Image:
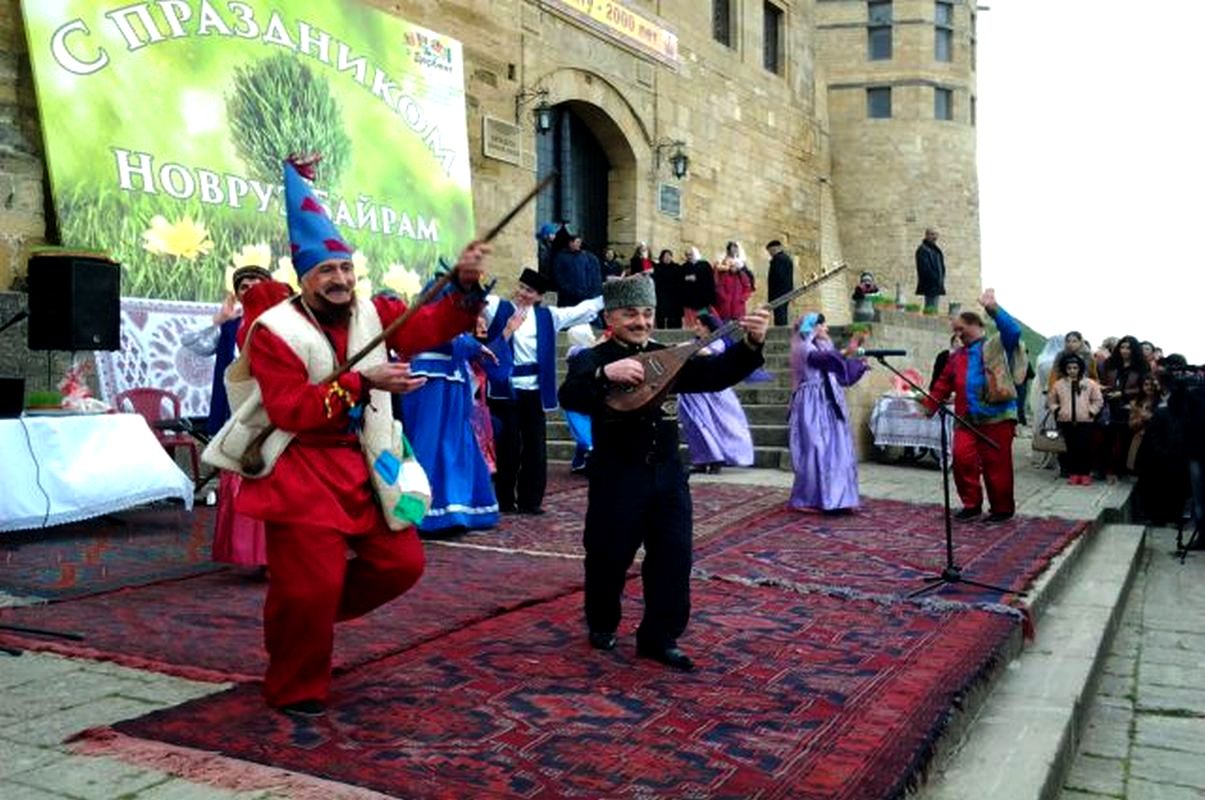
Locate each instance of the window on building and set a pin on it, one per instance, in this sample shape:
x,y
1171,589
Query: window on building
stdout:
x,y
721,21
972,110
943,104
943,33
878,30
878,102
974,38
772,38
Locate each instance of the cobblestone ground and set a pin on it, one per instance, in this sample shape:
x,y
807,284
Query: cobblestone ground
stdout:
x,y
1145,734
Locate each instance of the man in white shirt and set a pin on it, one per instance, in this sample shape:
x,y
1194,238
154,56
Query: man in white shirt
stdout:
x,y
520,403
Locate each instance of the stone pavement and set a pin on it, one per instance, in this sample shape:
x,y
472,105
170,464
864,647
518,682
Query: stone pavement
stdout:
x,y
1145,732
1143,738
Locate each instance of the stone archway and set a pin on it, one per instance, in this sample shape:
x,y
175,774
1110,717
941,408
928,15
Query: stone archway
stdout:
x,y
623,140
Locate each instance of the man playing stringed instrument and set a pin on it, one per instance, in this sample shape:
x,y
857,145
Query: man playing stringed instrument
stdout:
x,y
638,489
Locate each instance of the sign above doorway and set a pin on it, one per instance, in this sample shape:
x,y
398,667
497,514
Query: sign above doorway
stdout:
x,y
623,25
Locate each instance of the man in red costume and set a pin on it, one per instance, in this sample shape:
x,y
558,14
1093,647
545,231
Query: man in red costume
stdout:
x,y
320,499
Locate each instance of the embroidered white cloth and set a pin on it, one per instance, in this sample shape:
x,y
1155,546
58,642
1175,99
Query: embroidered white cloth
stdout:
x,y
152,355
59,469
902,422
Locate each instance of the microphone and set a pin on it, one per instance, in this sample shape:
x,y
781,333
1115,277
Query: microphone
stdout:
x,y
881,353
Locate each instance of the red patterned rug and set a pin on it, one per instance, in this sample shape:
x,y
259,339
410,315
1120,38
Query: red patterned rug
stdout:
x,y
886,549
803,696
131,548
210,627
719,508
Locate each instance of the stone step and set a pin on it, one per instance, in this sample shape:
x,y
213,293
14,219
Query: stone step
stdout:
x,y
763,435
1021,739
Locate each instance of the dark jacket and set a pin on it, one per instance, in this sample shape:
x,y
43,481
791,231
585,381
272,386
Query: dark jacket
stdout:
x,y
698,285
647,433
667,278
930,270
578,277
781,278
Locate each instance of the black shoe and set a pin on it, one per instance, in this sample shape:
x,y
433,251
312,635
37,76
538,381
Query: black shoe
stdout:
x,y
968,513
533,512
601,640
671,656
1001,516
714,469
699,469
305,708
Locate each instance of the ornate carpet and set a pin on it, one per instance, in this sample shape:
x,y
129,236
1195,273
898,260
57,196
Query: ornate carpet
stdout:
x,y
885,550
719,508
210,627
151,353
131,548
803,696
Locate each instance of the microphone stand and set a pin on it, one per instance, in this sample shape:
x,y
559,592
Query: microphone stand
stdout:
x,y
951,573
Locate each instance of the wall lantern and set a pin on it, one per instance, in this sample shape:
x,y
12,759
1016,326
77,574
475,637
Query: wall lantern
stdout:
x,y
679,162
542,113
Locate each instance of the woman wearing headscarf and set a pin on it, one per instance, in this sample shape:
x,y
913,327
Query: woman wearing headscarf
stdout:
x,y
733,282
822,444
713,423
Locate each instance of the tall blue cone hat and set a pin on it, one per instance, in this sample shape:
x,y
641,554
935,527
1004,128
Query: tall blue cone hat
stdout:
x,y
313,237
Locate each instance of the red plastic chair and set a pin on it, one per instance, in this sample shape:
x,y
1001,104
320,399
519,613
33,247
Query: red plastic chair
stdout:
x,y
158,406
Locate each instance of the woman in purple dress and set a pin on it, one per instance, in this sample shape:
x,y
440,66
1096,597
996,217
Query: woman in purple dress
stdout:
x,y
822,445
713,423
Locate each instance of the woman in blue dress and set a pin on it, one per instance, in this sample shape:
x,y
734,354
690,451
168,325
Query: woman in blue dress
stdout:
x,y
438,420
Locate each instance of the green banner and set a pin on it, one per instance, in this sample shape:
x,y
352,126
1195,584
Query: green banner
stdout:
x,y
166,123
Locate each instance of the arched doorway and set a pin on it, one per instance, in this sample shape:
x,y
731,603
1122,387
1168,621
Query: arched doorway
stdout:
x,y
579,195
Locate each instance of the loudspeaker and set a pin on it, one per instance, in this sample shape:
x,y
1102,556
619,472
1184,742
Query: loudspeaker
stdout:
x,y
74,303
12,397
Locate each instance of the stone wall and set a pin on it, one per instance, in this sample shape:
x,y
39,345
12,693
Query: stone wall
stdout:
x,y
923,337
894,177
22,173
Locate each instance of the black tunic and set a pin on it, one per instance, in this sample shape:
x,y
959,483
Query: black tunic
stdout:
x,y
638,490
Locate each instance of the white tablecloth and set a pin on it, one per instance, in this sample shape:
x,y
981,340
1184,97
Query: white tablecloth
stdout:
x,y
902,422
86,465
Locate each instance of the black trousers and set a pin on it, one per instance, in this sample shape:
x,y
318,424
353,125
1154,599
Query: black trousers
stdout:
x,y
521,451
629,505
1078,436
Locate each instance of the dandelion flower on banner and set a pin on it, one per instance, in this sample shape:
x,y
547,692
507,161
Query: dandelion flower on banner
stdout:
x,y
183,239
402,280
252,255
359,263
285,273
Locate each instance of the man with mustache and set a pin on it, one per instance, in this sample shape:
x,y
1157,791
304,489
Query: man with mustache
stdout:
x,y
333,485
638,489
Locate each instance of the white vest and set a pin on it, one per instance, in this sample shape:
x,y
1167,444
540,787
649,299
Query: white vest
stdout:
x,y
397,478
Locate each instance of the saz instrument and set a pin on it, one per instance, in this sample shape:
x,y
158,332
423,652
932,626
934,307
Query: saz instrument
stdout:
x,y
661,367
253,459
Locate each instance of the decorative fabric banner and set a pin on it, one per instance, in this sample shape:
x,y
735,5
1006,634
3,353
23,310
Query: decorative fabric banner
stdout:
x,y
151,353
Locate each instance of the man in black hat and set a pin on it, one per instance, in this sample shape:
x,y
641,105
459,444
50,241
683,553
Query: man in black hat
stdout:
x,y
781,278
638,490
520,402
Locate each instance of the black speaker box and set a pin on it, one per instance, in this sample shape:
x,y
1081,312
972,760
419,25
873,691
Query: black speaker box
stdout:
x,y
12,397
74,303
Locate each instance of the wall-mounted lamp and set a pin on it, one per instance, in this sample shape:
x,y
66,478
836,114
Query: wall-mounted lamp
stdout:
x,y
679,162
541,114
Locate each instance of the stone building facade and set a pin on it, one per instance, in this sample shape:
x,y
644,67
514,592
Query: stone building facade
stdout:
x,y
766,98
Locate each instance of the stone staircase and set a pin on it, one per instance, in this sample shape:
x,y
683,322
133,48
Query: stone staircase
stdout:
x,y
766,404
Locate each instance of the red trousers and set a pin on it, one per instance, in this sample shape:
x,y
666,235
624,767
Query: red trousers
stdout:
x,y
974,459
313,584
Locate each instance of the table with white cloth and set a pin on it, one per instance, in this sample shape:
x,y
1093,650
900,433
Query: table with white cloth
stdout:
x,y
901,421
59,469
